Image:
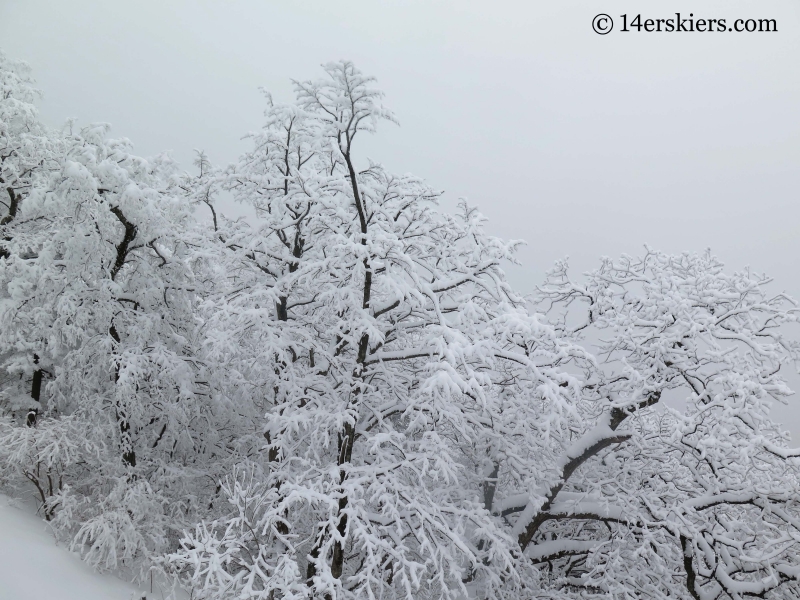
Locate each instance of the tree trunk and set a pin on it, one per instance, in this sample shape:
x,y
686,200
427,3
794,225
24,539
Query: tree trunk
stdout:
x,y
128,453
36,393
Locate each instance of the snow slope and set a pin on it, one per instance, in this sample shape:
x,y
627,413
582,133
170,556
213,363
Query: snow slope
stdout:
x,y
33,567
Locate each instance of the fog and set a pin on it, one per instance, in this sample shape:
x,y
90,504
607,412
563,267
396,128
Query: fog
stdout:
x,y
583,145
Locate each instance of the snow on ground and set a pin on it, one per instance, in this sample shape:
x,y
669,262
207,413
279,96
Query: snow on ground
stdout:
x,y
33,567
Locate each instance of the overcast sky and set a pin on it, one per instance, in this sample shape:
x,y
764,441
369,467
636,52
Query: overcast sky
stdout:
x,y
583,145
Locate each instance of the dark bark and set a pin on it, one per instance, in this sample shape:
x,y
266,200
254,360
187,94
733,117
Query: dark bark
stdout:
x,y
362,220
126,442
688,566
36,392
533,527
13,207
123,248
490,487
208,203
297,252
347,437
311,568
280,308
346,440
618,415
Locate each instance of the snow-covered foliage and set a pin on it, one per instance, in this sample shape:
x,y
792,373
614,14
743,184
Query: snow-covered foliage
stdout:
x,y
342,397
702,497
99,344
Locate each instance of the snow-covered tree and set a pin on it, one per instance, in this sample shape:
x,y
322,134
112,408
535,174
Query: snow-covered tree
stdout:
x,y
26,147
698,500
342,397
99,275
429,435
392,361
27,152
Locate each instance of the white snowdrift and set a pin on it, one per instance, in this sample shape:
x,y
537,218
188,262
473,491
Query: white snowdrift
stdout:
x,y
33,567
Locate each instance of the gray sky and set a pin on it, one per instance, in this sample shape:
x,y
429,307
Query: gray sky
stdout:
x,y
583,145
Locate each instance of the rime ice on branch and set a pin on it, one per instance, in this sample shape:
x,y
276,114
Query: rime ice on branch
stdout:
x,y
342,397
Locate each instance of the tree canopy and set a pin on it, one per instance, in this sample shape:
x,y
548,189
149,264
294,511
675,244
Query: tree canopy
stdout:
x,y
342,397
